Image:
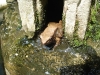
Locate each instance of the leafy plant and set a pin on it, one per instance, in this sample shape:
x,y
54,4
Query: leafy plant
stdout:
x,y
93,28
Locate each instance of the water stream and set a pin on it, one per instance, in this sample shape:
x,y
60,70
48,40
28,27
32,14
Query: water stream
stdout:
x,y
23,56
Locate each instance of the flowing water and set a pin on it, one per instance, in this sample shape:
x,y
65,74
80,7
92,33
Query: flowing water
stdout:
x,y
24,56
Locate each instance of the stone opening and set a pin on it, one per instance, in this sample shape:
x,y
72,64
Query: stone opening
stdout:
x,y
54,10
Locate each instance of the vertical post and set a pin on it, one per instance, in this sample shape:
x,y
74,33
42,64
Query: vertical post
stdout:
x,y
76,10
82,16
69,13
27,15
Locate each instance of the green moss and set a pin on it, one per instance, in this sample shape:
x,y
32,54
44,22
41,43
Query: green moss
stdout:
x,y
93,28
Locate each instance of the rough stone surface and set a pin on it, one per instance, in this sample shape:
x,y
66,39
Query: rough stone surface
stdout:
x,y
27,15
70,7
70,19
73,9
82,16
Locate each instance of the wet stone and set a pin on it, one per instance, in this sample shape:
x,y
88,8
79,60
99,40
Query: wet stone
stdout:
x,y
24,56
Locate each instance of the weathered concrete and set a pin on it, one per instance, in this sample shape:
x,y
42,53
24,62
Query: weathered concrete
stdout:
x,y
70,19
82,16
76,10
27,15
32,15
70,7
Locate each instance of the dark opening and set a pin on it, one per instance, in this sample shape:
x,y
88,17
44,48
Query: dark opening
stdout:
x,y
54,11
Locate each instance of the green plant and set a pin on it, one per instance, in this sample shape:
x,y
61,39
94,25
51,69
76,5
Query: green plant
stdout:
x,y
93,28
